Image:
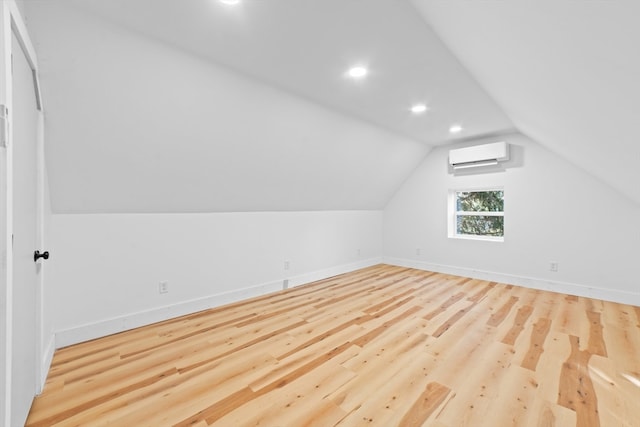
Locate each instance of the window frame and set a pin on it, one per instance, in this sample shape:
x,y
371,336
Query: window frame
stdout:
x,y
453,214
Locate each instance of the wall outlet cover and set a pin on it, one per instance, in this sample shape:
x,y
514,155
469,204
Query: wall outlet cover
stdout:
x,y
163,287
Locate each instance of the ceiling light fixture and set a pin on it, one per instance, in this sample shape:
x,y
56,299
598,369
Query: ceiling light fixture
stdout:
x,y
418,108
455,129
358,72
230,2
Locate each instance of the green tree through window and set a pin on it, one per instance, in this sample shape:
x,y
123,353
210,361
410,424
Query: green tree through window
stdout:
x,y
479,213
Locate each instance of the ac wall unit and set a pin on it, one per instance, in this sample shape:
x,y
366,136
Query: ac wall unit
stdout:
x,y
479,155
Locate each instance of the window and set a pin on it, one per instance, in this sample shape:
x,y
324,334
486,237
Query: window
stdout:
x,y
477,214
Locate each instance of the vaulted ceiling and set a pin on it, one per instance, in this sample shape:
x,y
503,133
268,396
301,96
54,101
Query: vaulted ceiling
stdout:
x,y
305,47
565,72
196,105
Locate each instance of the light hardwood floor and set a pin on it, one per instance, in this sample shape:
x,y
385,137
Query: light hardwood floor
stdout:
x,y
383,346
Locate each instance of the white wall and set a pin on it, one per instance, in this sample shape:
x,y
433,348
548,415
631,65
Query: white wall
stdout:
x,y
553,212
105,268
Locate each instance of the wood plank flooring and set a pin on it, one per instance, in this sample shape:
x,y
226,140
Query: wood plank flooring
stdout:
x,y
383,346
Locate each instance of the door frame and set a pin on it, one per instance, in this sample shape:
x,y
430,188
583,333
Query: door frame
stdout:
x,y
12,23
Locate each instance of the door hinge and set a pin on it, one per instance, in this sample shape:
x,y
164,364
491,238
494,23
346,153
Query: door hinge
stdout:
x,y
4,126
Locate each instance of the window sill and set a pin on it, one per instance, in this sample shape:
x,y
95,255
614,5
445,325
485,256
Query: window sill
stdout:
x,y
473,237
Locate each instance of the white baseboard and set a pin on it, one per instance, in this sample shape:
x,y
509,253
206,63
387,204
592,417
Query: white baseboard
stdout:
x,y
117,324
615,295
332,271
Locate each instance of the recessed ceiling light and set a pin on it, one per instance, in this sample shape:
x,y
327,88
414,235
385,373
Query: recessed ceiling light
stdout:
x,y
455,129
418,108
230,2
357,72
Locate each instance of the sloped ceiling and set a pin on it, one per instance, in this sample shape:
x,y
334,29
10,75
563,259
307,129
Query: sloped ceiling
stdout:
x,y
566,72
195,106
305,47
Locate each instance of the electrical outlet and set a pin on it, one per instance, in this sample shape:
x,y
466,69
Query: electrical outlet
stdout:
x,y
285,284
163,287
418,251
553,266
286,265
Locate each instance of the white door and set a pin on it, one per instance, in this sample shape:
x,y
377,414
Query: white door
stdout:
x,y
25,270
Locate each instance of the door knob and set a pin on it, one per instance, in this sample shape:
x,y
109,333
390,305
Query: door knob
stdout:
x,y
37,255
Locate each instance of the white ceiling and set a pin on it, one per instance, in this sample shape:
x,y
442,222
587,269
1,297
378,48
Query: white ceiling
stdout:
x,y
567,73
305,47
235,79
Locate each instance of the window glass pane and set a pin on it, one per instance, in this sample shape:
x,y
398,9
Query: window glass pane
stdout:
x,y
480,225
480,201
